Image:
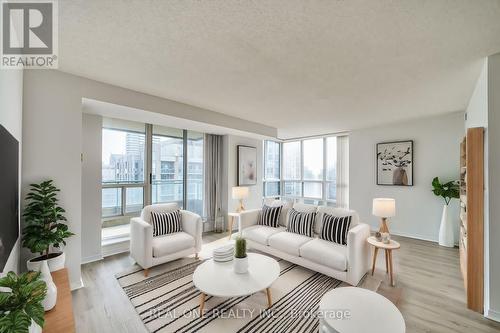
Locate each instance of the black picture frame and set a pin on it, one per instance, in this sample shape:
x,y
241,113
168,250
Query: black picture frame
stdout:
x,y
246,165
382,172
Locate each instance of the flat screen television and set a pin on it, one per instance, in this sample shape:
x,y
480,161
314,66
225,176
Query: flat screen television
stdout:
x,y
9,194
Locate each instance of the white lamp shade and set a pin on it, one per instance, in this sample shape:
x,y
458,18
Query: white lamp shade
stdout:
x,y
384,207
240,192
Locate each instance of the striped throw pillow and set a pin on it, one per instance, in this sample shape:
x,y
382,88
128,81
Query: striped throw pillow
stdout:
x,y
301,223
270,216
335,228
166,223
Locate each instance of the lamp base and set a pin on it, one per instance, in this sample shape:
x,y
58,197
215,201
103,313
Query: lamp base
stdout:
x,y
240,208
383,225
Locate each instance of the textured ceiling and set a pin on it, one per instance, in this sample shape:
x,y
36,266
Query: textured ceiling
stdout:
x,y
304,67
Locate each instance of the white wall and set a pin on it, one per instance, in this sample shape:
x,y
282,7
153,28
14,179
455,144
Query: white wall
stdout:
x,y
11,113
230,162
436,143
91,187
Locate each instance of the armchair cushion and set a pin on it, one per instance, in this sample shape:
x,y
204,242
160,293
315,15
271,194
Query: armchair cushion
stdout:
x,y
159,208
172,243
166,223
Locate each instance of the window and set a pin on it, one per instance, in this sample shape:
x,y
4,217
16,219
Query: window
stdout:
x,y
291,160
313,171
167,174
272,172
172,164
123,174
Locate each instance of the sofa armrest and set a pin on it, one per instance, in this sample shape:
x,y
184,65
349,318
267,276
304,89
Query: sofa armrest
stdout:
x,y
248,218
358,253
192,224
141,242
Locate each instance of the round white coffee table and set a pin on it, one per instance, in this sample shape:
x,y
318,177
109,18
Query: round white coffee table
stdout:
x,y
354,310
218,279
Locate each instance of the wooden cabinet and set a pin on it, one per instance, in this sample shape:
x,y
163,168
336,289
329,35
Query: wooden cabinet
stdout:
x,y
471,241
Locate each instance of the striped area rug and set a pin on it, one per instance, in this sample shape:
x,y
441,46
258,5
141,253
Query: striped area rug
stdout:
x,y
167,301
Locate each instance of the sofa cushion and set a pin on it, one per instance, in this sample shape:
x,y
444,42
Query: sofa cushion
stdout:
x,y
325,253
172,243
285,207
269,216
335,228
301,223
260,233
288,242
302,208
334,211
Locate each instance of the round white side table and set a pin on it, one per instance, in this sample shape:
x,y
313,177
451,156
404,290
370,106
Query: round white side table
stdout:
x,y
219,279
356,310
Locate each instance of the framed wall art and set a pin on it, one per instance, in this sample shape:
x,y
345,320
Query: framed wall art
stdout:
x,y
395,163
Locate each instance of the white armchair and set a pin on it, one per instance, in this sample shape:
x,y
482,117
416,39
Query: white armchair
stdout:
x,y
149,251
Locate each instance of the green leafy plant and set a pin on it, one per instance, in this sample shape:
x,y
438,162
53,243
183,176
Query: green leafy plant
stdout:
x,y
449,190
42,217
21,301
240,248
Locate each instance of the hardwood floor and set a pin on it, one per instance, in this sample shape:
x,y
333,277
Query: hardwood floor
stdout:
x,y
427,276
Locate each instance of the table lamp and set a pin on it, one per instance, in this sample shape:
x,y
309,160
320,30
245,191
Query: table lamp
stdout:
x,y
240,193
384,208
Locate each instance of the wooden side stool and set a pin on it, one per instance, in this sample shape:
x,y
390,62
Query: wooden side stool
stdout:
x,y
392,245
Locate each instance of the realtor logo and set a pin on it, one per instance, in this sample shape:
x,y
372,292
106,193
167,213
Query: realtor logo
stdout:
x,y
29,34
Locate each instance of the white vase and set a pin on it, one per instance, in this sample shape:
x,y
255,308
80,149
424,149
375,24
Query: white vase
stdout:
x,y
50,299
446,236
34,328
56,263
240,265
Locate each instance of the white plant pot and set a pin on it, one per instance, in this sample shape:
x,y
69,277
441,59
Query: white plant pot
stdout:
x,y
54,264
446,236
34,328
50,299
240,265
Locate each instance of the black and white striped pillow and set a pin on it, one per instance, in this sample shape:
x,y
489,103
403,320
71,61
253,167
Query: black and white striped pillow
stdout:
x,y
270,216
301,223
335,228
166,223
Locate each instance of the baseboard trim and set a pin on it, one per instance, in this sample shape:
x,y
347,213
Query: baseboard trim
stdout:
x,y
76,285
115,248
404,234
493,315
90,259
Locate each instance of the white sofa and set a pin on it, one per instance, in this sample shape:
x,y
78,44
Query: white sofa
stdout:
x,y
149,251
348,263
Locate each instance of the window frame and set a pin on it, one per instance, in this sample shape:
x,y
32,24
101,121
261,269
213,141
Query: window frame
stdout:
x,y
325,182
147,182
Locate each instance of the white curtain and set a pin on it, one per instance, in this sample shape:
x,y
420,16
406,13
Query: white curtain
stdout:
x,y
343,171
213,177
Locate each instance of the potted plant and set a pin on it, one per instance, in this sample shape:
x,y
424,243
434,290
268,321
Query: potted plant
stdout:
x,y
21,297
44,231
448,191
240,256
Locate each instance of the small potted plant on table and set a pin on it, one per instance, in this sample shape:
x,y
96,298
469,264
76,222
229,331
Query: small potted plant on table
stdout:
x,y
240,256
21,297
